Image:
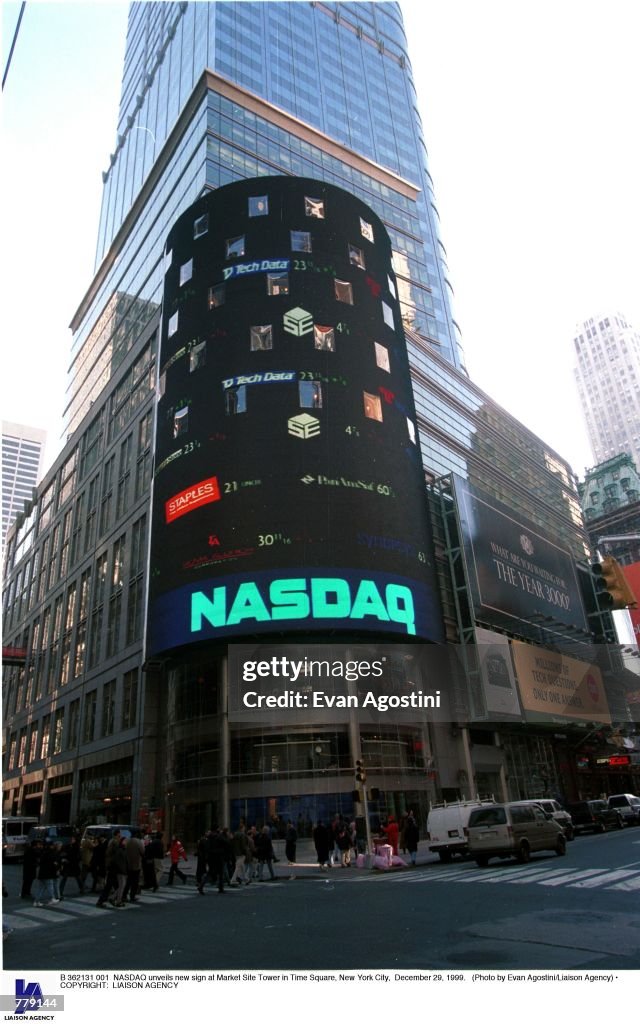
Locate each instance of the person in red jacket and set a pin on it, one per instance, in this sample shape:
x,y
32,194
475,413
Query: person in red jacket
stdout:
x,y
392,832
176,851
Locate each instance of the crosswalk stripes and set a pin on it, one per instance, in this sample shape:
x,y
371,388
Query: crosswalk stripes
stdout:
x,y
615,879
26,917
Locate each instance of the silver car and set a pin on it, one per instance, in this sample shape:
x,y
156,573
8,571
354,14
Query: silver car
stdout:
x,y
515,829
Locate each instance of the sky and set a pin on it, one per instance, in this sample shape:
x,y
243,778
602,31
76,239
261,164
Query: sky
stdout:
x,y
530,118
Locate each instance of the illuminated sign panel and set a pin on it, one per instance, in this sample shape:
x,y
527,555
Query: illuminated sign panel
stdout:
x,y
284,371
553,685
515,572
192,497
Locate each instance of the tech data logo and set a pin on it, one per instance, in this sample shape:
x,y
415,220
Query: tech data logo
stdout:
x,y
286,600
191,498
304,426
298,322
257,267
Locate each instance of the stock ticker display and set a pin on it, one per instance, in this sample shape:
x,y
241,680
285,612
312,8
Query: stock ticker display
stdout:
x,y
288,489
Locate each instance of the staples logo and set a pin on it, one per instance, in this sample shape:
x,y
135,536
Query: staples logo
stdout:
x,y
191,498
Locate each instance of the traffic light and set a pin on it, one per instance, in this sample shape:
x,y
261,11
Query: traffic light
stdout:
x,y
361,775
612,588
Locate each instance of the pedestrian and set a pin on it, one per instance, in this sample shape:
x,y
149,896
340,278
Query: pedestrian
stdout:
x,y
343,842
134,854
176,851
411,837
334,854
201,863
31,860
148,869
240,843
47,874
156,853
120,861
98,866
71,866
392,831
291,838
321,835
265,854
87,847
219,850
111,872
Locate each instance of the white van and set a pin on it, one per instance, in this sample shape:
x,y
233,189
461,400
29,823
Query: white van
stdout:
x,y
446,826
15,834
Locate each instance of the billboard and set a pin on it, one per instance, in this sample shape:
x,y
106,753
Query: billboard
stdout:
x,y
554,686
288,485
514,570
496,672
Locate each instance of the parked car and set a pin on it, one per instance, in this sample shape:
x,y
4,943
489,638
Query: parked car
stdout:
x,y
15,836
559,814
515,829
95,831
627,805
53,833
594,816
446,826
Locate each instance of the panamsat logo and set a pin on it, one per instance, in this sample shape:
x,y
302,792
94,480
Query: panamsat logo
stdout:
x,y
526,544
298,322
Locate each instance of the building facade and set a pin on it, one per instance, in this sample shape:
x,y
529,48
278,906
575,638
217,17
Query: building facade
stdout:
x,y
102,722
22,459
607,374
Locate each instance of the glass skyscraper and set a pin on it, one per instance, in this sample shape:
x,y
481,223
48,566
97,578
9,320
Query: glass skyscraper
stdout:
x,y
216,92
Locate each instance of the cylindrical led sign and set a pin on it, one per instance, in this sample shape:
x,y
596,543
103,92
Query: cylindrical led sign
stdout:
x,y
288,491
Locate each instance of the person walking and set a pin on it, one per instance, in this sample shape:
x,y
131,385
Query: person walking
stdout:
x,y
201,863
392,832
134,855
30,863
98,866
176,851
87,847
265,854
343,842
71,866
47,874
411,837
219,850
240,844
290,840
111,872
321,835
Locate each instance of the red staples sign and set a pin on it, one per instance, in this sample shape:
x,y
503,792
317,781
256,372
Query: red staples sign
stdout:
x,y
191,498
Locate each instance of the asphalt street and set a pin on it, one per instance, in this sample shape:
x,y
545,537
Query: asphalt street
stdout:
x,y
576,912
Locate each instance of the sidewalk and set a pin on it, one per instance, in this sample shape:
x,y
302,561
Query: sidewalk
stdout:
x,y
306,864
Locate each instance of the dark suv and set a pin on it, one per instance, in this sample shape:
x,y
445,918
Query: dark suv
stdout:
x,y
594,816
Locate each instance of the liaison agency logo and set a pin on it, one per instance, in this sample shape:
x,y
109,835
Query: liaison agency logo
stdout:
x,y
30,1003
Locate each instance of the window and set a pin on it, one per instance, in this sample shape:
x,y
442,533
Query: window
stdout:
x,y
181,422
168,260
310,394
235,400
197,356
201,226
261,338
392,287
216,296
124,472
143,463
277,284
343,291
258,206
89,724
301,241
366,230
44,742
129,698
314,207
186,272
324,338
382,357
74,724
387,314
33,742
235,247
106,508
172,326
58,729
356,257
22,747
108,707
412,430
372,407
